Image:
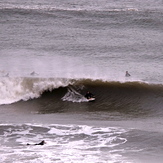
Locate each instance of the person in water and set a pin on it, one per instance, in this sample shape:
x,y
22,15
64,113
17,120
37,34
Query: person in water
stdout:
x,y
41,143
33,73
89,95
127,74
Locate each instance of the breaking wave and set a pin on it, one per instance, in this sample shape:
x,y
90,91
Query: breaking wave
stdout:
x,y
73,90
16,89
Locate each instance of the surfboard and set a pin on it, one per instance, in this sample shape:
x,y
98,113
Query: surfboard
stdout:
x,y
91,99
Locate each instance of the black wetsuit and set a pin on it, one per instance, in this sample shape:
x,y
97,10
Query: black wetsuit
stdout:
x,y
89,95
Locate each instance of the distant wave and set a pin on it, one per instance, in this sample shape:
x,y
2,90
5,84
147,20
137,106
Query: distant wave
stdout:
x,y
84,8
142,18
64,8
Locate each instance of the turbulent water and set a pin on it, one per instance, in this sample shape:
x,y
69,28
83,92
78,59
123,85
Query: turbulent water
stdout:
x,y
53,52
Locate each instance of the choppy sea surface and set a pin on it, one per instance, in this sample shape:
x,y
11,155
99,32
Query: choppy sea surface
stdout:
x,y
53,52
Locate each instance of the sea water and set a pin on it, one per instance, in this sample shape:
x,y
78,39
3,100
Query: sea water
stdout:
x,y
53,52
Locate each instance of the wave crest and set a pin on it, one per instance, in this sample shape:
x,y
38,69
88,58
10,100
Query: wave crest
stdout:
x,y
16,89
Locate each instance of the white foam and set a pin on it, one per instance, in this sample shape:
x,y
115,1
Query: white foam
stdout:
x,y
16,89
64,143
74,96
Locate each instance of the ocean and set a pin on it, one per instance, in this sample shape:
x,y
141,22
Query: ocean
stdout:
x,y
53,52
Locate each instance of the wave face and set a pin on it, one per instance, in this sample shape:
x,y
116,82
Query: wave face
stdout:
x,y
62,95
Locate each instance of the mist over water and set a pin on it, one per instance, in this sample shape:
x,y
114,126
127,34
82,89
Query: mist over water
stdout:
x,y
78,40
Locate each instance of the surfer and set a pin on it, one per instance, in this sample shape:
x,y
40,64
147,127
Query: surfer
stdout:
x,y
127,74
89,95
7,75
33,73
41,143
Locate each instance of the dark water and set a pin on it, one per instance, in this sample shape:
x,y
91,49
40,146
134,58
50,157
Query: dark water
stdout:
x,y
53,52
131,99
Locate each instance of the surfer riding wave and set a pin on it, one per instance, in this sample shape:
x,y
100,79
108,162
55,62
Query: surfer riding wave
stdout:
x,y
89,95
